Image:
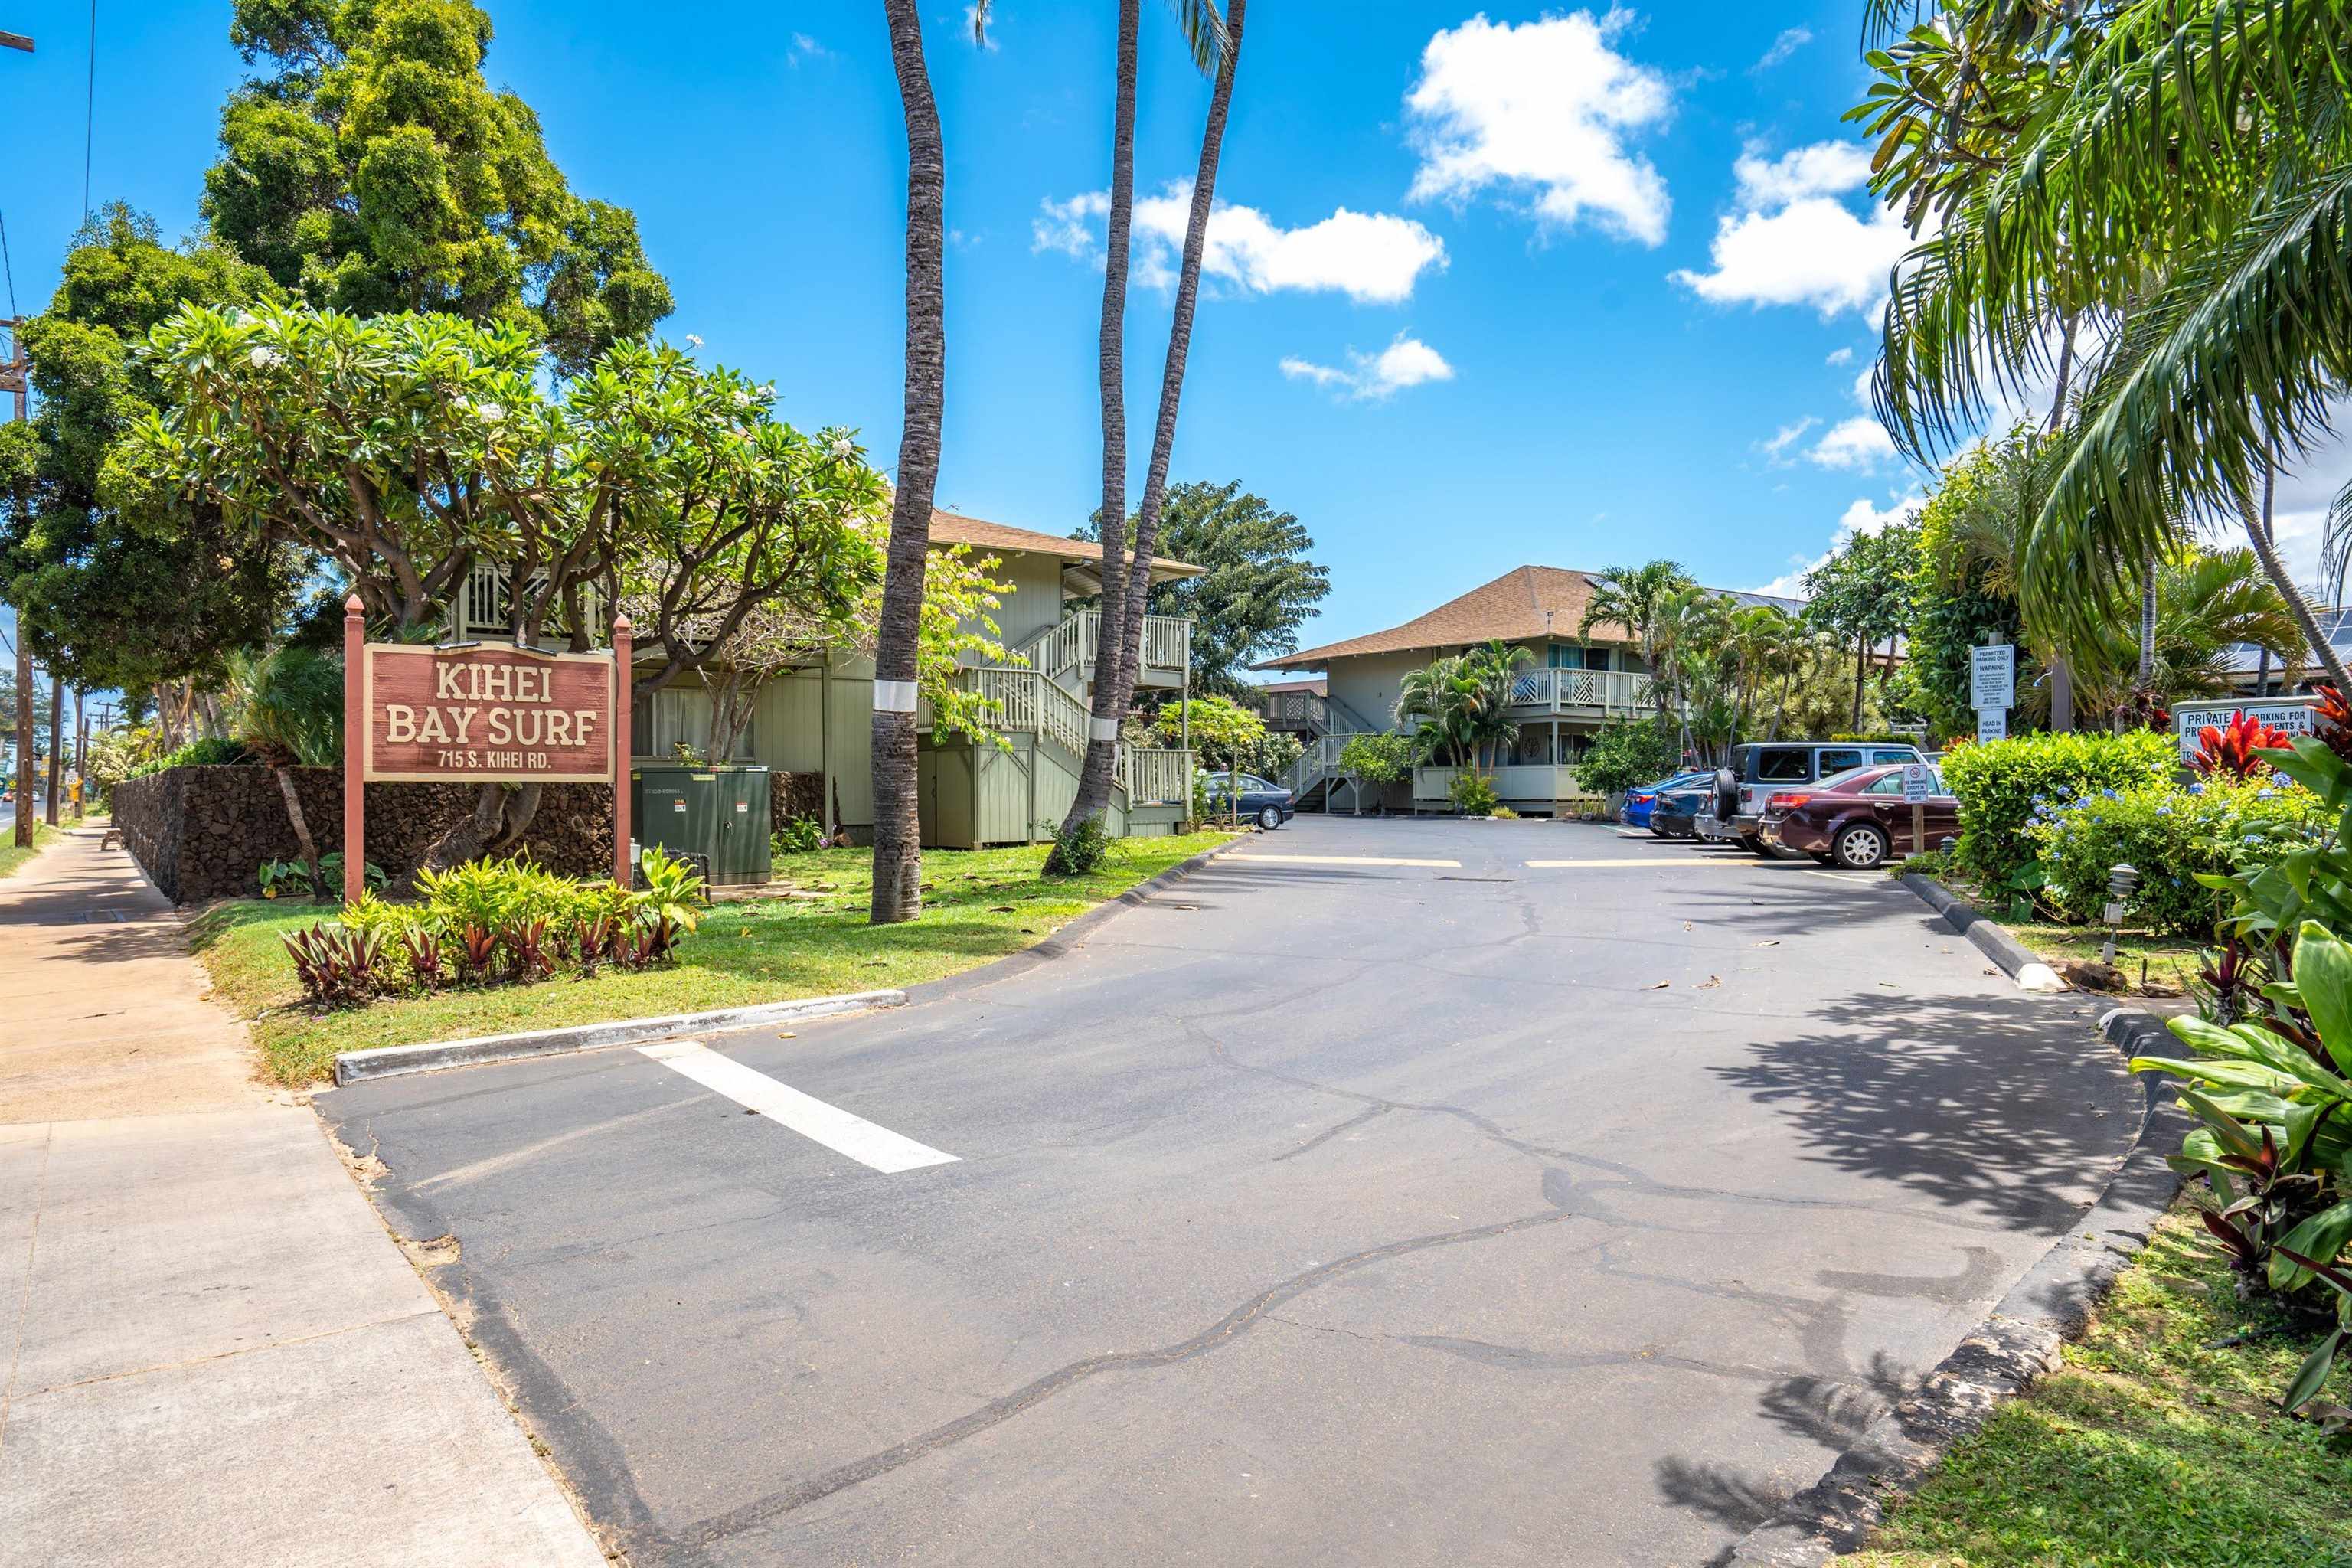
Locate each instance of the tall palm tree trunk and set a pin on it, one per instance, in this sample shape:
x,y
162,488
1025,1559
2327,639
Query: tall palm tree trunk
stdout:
x,y
1861,670
1109,704
1180,345
2144,678
2061,671
2258,534
302,825
898,827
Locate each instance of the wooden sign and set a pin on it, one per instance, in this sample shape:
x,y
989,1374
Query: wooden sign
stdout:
x,y
487,711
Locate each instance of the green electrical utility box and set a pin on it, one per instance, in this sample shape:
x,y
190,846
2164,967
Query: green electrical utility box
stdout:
x,y
718,813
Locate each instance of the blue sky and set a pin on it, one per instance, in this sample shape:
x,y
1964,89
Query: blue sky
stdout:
x,y
1576,286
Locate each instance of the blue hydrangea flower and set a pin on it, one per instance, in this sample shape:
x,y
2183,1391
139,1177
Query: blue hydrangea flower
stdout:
x,y
2111,794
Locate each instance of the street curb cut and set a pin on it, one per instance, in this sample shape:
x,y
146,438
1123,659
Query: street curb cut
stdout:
x,y
2029,972
391,1061
2002,1355
1070,937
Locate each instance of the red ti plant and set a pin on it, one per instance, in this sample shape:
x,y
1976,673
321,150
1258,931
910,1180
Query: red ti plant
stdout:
x,y
2233,749
2333,721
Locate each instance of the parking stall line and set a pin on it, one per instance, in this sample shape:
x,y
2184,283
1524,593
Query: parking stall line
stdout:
x,y
812,1118
1644,860
1344,860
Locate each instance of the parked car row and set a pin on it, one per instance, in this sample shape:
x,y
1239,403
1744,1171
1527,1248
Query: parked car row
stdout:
x,y
1841,804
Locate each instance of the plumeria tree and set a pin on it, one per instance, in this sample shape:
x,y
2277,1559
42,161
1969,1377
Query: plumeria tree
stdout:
x,y
409,449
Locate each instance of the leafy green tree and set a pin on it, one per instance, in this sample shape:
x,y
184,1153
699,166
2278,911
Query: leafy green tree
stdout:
x,y
1628,753
1457,704
1222,730
410,448
1259,586
373,167
1862,595
128,597
1374,758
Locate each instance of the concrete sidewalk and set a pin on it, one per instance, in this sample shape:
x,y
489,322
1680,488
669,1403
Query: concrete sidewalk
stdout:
x,y
210,1347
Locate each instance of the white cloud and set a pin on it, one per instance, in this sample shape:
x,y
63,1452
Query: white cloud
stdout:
x,y
1407,361
804,48
1859,443
1068,226
1371,258
1791,40
1794,241
1782,439
1543,109
1840,356
1861,517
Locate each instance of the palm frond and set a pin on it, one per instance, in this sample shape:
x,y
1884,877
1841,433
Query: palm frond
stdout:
x,y
1203,30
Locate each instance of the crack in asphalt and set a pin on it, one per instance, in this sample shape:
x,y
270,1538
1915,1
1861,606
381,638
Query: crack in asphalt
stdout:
x,y
1224,1332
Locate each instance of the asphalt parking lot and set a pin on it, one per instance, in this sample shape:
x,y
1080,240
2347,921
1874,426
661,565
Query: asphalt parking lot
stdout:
x,y
1386,1192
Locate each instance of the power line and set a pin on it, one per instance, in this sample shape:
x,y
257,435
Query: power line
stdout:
x,y
7,266
89,116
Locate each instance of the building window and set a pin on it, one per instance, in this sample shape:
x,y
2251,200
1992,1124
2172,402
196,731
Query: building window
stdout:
x,y
1596,659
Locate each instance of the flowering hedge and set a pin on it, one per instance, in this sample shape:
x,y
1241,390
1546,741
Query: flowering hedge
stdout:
x,y
2002,785
2169,833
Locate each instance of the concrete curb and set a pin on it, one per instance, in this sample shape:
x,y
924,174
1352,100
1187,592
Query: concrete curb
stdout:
x,y
2003,1354
1073,936
2029,972
391,1061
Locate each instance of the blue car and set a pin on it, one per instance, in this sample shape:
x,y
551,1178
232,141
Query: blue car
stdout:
x,y
1640,803
1267,805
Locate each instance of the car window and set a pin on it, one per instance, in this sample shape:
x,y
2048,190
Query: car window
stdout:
x,y
1782,764
1840,759
1845,779
1886,784
1251,782
1905,755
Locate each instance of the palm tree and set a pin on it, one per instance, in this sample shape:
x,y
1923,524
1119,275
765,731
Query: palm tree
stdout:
x,y
1460,704
2208,138
1215,43
1632,598
897,828
2205,602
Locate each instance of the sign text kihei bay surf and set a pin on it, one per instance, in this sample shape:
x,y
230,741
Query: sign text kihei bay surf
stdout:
x,y
480,712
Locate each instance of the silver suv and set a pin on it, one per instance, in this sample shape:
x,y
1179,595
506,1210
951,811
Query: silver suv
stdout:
x,y
1763,766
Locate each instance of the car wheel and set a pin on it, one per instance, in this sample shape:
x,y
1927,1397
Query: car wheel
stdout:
x,y
1269,817
1757,846
1861,847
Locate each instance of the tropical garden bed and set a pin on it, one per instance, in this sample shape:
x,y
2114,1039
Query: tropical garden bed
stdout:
x,y
805,935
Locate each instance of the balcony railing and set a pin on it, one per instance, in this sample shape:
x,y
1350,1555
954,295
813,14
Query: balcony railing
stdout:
x,y
1072,644
1156,776
1580,691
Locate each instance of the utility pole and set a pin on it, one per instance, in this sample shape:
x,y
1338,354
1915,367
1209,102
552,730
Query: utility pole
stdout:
x,y
12,379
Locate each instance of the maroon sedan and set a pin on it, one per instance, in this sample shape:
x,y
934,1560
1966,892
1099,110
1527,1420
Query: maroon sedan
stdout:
x,y
1857,818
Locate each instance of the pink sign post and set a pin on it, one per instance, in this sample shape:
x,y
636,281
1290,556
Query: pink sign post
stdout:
x,y
354,768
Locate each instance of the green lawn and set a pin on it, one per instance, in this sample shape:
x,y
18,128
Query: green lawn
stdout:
x,y
2158,1442
976,906
2171,961
11,857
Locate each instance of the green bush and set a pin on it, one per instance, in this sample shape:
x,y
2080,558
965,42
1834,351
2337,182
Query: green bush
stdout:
x,y
1624,754
1474,794
2002,783
798,836
212,752
2171,834
1080,850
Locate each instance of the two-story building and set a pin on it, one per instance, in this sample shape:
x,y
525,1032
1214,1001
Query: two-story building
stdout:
x,y
818,718
1573,682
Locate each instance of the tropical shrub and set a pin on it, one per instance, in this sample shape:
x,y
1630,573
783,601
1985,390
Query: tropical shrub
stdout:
x,y
2176,837
2274,1146
2234,749
798,836
497,922
1079,850
287,878
1376,760
1626,754
2002,785
1473,794
212,752
1271,755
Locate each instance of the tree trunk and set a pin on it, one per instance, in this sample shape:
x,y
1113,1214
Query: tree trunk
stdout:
x,y
1180,345
2062,694
57,745
897,827
501,813
1109,704
2258,533
302,824
2145,678
1861,670
24,830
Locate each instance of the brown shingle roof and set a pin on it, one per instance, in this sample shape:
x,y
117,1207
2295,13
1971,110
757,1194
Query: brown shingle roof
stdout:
x,y
1511,607
951,528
